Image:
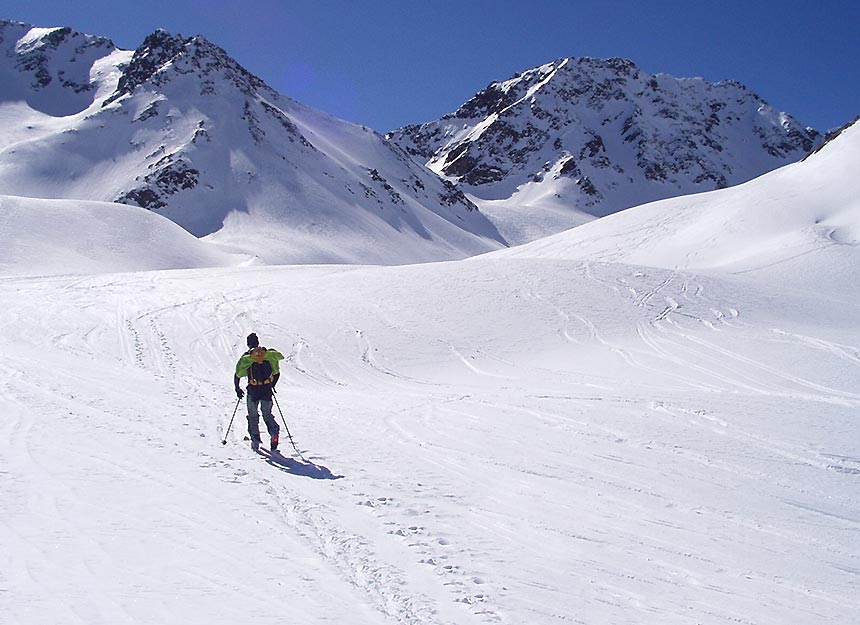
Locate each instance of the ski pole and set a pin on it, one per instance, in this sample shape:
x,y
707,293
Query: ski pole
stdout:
x,y
224,442
290,436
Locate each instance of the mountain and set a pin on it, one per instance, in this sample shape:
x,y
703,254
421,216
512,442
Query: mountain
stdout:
x,y
799,223
581,138
180,128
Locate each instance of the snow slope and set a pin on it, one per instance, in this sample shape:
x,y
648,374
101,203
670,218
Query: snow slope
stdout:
x,y
785,222
494,441
538,438
50,237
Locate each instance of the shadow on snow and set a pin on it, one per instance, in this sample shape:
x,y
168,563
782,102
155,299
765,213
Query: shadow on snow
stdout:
x,y
294,467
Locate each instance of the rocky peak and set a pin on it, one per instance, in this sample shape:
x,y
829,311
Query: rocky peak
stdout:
x,y
162,56
156,51
568,76
617,134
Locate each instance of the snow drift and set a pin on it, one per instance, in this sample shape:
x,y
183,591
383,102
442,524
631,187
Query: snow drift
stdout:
x,y
782,223
49,237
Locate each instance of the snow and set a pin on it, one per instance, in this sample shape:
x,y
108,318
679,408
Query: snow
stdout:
x,y
50,237
33,38
513,441
547,212
566,434
770,224
651,418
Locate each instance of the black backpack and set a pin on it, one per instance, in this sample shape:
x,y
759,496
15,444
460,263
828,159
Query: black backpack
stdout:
x,y
260,373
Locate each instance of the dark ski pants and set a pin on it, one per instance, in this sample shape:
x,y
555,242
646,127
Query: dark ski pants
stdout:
x,y
265,407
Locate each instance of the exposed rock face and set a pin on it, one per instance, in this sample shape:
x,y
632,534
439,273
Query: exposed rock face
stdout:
x,y
832,135
163,57
605,135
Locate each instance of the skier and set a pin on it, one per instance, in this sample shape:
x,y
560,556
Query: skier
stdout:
x,y
260,365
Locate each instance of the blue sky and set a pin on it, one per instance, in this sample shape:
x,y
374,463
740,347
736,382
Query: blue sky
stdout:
x,y
389,63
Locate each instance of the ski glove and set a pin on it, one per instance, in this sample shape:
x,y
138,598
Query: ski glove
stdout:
x,y
239,393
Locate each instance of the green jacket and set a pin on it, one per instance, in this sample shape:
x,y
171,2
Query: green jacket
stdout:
x,y
273,357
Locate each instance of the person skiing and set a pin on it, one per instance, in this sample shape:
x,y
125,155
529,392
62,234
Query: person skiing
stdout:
x,y
260,365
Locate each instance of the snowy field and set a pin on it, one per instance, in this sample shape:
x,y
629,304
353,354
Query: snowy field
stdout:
x,y
536,436
500,440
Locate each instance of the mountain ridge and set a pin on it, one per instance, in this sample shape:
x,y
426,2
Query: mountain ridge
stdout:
x,y
600,135
179,127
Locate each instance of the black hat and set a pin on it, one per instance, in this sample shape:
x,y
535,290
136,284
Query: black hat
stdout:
x,y
253,341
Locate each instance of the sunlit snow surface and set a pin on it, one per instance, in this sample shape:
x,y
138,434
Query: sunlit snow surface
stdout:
x,y
512,441
543,437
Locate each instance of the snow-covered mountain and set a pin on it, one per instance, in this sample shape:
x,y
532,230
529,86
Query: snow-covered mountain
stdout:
x,y
180,128
562,143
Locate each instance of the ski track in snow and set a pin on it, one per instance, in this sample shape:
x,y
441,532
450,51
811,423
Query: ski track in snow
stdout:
x,y
477,481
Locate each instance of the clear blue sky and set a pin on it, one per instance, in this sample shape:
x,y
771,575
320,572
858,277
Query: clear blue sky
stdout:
x,y
389,63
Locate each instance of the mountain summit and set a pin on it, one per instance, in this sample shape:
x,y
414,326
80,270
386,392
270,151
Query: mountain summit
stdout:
x,y
599,136
179,127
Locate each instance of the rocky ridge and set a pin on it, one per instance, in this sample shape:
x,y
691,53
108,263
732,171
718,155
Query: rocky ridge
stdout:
x,y
603,135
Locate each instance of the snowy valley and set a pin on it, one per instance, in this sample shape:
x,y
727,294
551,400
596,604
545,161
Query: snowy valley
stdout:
x,y
652,418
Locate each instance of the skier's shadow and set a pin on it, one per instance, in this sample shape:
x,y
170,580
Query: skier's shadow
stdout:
x,y
294,467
